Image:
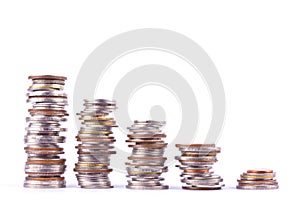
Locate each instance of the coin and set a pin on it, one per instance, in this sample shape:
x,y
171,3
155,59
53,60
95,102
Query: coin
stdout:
x,y
96,144
258,179
146,163
147,187
44,166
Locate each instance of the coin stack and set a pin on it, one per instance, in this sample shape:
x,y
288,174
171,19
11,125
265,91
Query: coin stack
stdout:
x,y
258,179
196,161
96,145
146,163
44,167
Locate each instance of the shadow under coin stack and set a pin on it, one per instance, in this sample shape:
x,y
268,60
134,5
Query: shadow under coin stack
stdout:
x,y
44,166
196,161
96,145
258,180
146,163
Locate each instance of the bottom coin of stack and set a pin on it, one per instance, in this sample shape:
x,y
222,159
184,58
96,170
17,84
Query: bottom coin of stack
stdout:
x,y
196,162
146,163
258,179
96,145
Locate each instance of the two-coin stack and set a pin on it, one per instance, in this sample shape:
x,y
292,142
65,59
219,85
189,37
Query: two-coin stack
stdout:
x,y
258,179
196,161
44,166
96,145
146,163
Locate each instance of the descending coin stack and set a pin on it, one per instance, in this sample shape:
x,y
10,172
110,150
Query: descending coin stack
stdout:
x,y
96,145
196,161
258,180
44,166
146,163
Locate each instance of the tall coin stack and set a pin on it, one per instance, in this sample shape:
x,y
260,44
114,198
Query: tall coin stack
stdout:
x,y
44,167
146,163
96,145
196,162
258,179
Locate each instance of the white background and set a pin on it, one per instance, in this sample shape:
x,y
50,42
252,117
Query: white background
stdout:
x,y
255,46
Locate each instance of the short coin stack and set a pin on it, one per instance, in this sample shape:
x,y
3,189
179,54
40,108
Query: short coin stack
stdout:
x,y
196,161
44,166
96,145
258,179
146,163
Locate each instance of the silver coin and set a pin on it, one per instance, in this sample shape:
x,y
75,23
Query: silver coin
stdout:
x,y
45,184
44,139
257,187
47,100
47,93
160,187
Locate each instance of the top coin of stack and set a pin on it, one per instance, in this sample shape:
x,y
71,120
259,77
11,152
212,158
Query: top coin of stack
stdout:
x,y
96,145
44,166
258,179
196,161
146,162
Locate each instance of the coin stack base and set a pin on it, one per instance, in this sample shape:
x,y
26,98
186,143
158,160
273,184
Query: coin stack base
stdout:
x,y
196,162
96,145
146,163
258,179
44,167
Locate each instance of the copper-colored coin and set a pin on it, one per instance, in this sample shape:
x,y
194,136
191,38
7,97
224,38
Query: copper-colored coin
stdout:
x,y
199,160
46,162
44,173
48,112
50,77
194,145
45,178
195,170
43,149
260,171
96,132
